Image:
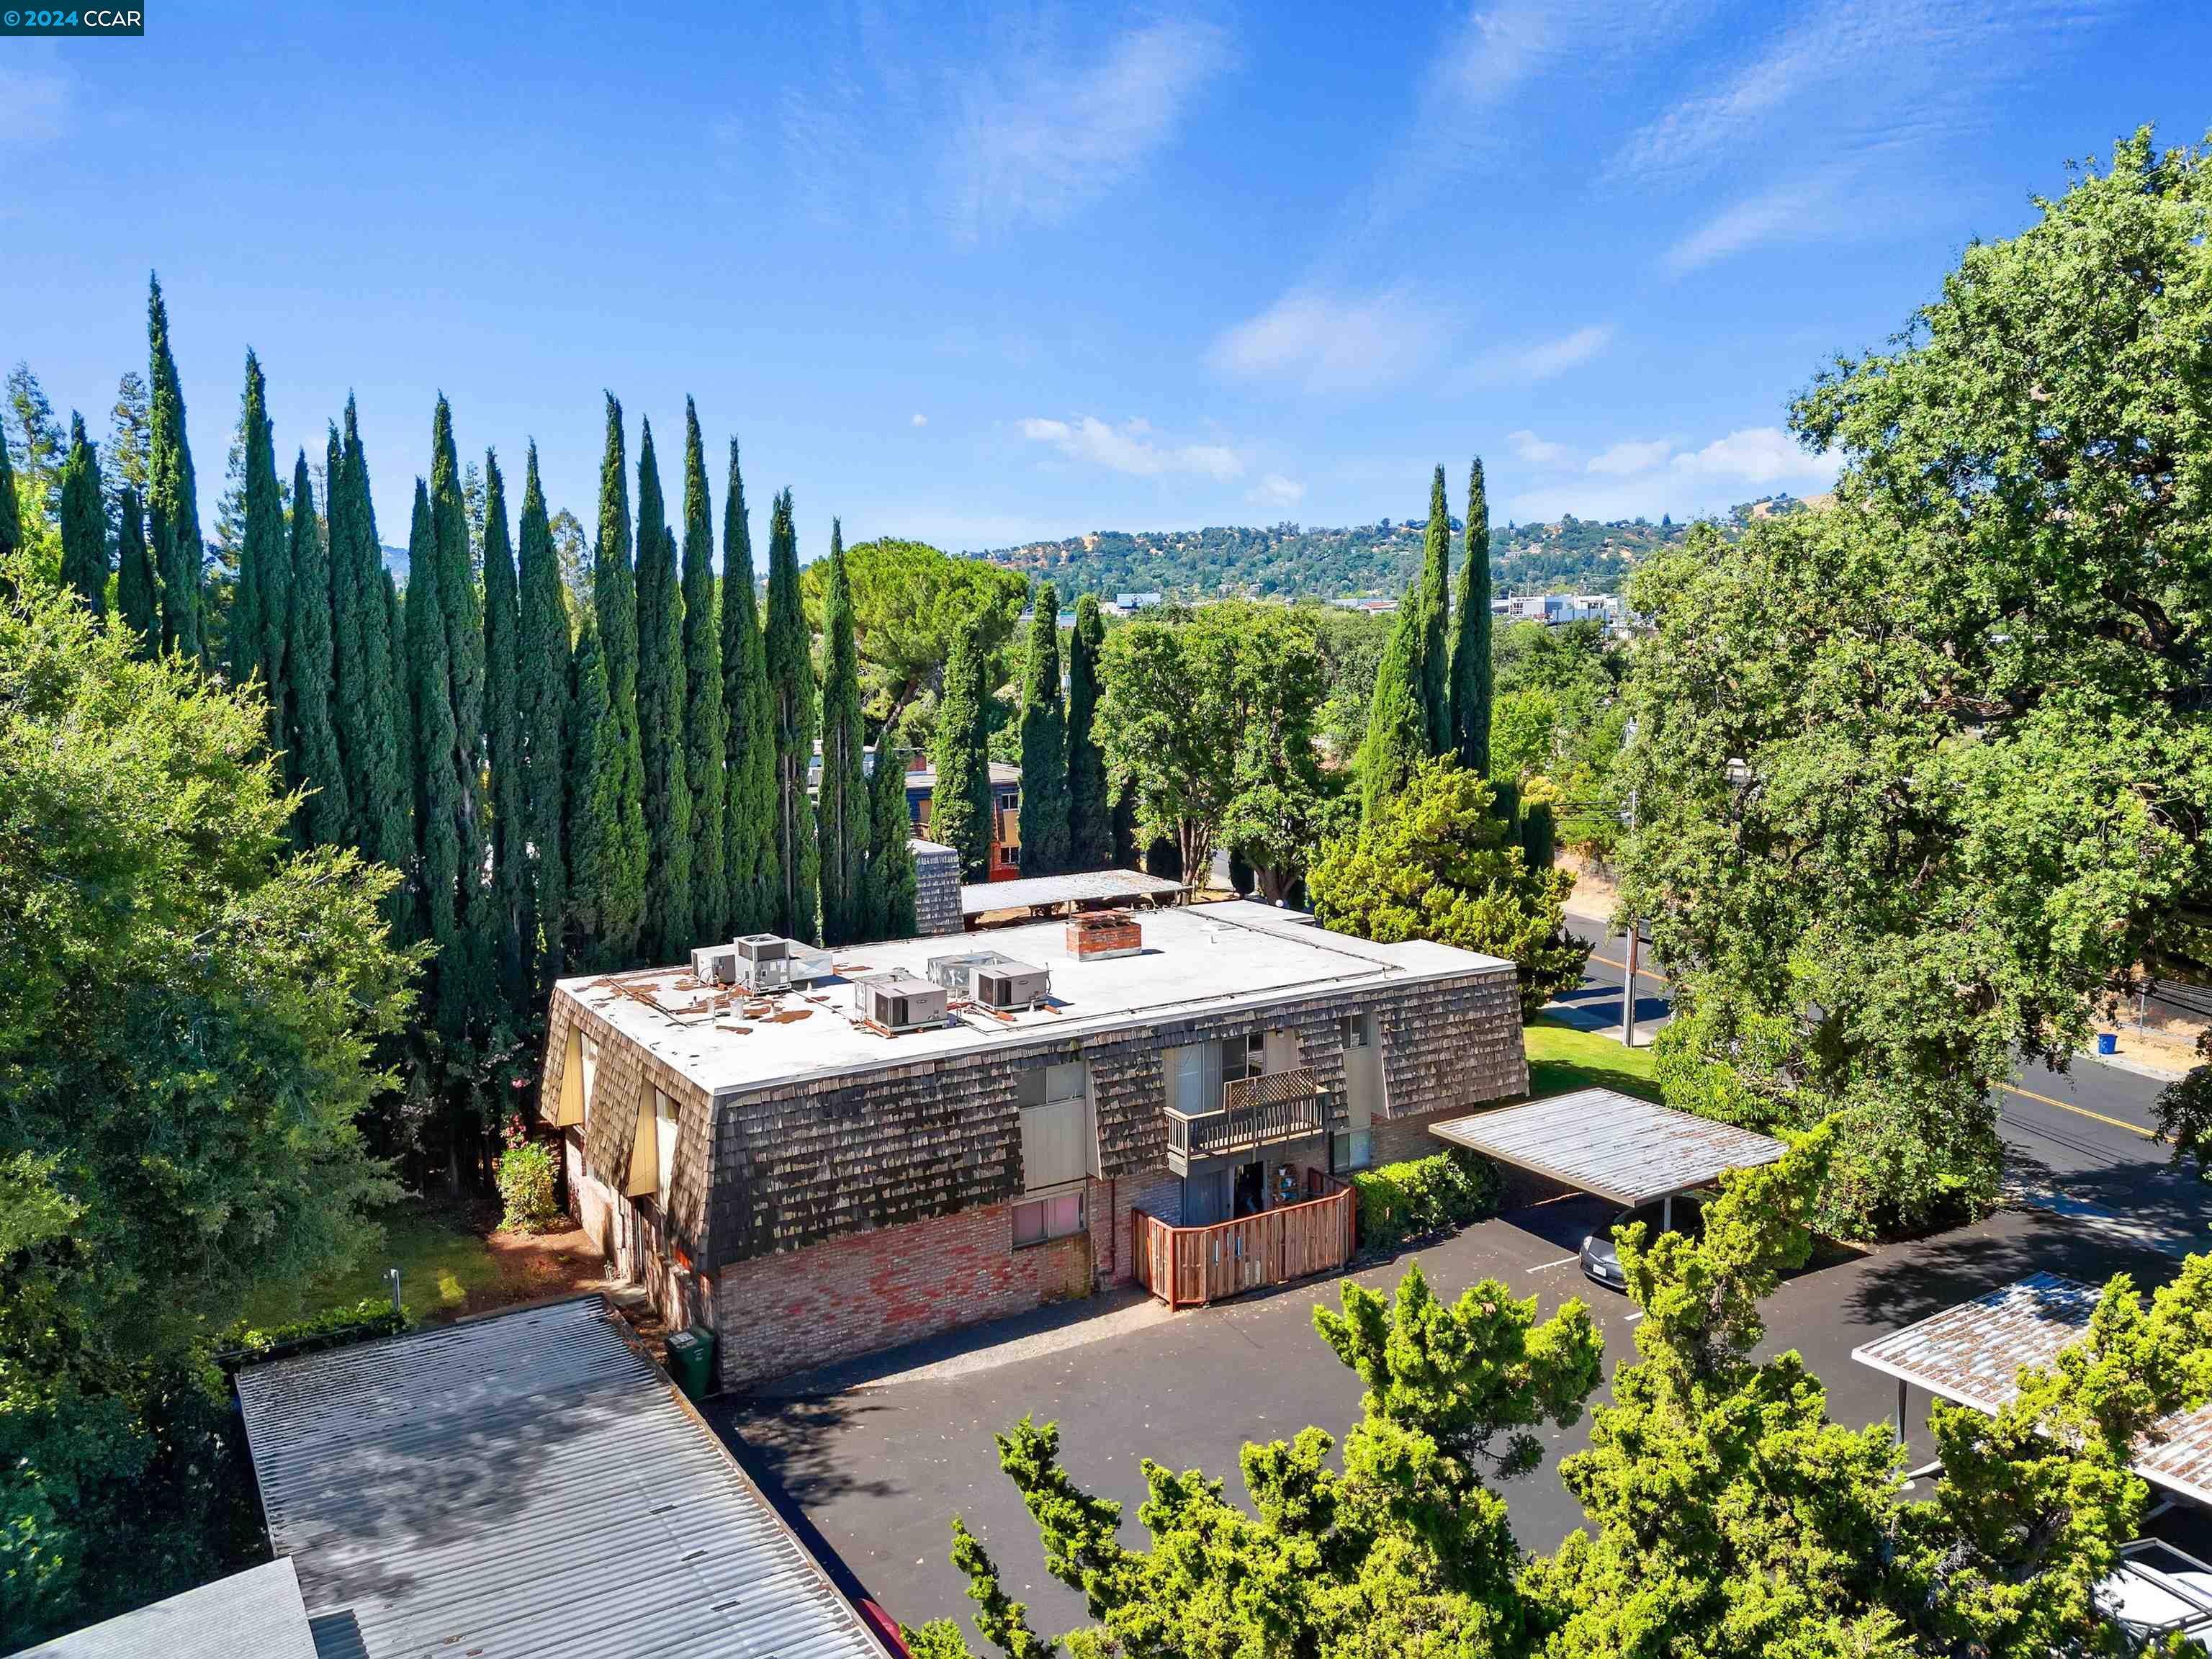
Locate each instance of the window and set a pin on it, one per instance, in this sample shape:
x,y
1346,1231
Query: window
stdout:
x,y
1042,1218
1057,1145
1043,1085
591,1068
1359,1030
1243,1057
665,1122
1352,1149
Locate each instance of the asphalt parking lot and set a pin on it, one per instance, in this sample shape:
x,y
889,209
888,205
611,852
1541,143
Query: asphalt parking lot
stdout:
x,y
872,1462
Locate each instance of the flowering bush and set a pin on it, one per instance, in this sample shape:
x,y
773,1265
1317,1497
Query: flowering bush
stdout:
x,y
525,1173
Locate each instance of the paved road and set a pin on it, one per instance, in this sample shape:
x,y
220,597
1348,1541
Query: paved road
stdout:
x,y
873,1468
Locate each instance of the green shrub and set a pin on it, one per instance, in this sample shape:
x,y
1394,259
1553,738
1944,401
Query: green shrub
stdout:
x,y
333,1328
1398,1201
525,1185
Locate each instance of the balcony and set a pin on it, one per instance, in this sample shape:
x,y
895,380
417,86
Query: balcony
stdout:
x,y
1255,1112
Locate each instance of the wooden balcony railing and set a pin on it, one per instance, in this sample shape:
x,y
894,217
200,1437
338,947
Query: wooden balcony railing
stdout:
x,y
1255,1111
1188,1266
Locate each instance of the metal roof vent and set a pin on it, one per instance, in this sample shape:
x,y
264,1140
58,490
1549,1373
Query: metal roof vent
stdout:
x,y
900,1002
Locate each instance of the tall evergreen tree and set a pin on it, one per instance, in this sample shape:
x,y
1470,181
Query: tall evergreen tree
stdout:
x,y
791,692
1045,830
503,751
599,854
84,521
1470,663
1435,620
660,719
887,893
545,668
616,905
464,983
137,592
326,818
437,862
1089,800
260,606
706,724
960,806
173,501
374,718
842,819
749,860
11,506
1397,724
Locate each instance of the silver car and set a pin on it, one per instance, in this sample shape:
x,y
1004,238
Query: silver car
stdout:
x,y
1601,1262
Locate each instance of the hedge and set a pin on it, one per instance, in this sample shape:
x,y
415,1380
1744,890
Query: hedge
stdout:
x,y
1399,1202
333,1328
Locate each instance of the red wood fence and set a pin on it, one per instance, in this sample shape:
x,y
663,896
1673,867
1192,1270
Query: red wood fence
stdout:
x,y
1185,1267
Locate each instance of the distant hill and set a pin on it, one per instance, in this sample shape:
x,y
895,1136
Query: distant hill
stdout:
x,y
1286,560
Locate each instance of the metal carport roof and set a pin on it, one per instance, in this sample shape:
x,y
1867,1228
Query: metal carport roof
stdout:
x,y
1601,1141
1972,1354
1083,887
520,1486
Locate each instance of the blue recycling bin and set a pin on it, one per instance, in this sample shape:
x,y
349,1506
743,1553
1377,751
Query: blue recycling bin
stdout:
x,y
2108,1042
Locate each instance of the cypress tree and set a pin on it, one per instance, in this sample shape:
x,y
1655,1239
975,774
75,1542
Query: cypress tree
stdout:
x,y
598,800
173,500
437,811
1090,801
1397,724
374,717
960,807
327,816
1435,621
750,865
11,507
261,605
615,907
545,668
842,820
660,719
503,750
705,726
465,981
1539,836
790,694
1045,833
137,595
84,521
1470,663
887,902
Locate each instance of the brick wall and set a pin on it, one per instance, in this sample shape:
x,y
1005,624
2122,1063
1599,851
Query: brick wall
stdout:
x,y
852,1295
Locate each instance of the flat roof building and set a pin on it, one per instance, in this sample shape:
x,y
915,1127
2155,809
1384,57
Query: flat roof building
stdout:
x,y
820,1173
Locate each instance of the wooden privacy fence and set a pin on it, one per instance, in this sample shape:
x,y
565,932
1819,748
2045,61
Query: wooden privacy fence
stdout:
x,y
1186,1266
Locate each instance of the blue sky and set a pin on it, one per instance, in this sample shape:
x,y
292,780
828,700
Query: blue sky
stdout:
x,y
979,276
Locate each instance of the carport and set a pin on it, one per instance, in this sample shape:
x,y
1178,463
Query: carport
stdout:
x,y
1599,1140
1972,1354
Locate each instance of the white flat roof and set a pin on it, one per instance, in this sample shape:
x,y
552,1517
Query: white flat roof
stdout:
x,y
1196,961
1601,1141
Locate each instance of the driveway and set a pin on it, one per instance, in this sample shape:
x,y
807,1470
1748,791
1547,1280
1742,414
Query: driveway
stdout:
x,y
872,1463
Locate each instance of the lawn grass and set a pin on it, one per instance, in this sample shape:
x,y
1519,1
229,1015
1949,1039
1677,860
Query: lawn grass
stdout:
x,y
444,1267
1562,1059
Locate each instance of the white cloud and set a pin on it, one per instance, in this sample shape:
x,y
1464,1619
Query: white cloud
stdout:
x,y
1795,211
1533,450
1546,359
1129,449
33,105
1036,134
1626,458
1756,454
1326,344
1276,490
921,419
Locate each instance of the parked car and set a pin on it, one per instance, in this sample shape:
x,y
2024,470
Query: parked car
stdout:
x,y
884,1628
1601,1262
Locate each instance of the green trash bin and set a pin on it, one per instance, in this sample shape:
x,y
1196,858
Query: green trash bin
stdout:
x,y
691,1361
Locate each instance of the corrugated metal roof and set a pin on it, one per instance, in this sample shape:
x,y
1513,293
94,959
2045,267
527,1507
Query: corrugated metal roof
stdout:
x,y
1972,1354
1628,1150
978,896
521,1486
254,1614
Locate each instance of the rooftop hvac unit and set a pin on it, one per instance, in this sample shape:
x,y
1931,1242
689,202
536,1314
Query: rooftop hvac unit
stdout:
x,y
715,964
899,1002
1103,934
1008,985
763,962
957,973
